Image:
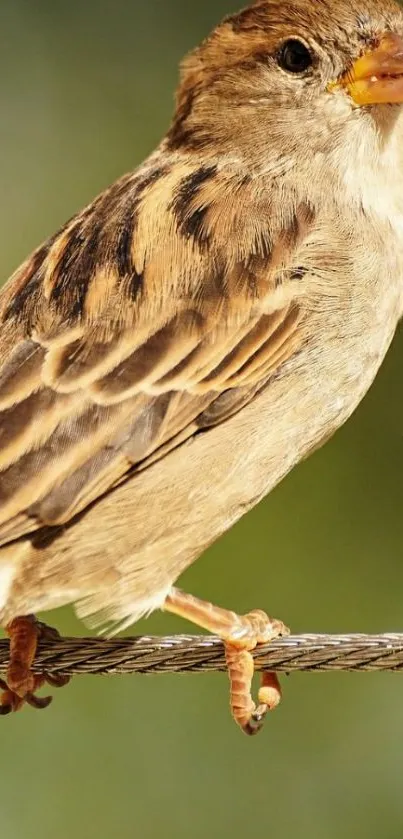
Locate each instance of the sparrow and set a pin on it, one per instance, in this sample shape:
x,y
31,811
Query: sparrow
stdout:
x,y
204,325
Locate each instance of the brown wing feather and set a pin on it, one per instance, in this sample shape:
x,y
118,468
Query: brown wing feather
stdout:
x,y
129,332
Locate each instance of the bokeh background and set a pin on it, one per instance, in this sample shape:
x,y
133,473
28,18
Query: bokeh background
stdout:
x,y
86,91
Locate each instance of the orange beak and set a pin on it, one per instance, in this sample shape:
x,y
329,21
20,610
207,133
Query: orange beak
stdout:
x,y
377,77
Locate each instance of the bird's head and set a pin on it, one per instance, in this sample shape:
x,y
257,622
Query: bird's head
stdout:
x,y
283,81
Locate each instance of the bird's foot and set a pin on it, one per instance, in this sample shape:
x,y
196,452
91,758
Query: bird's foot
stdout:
x,y
21,682
241,634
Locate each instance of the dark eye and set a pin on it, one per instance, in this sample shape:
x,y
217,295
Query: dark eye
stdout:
x,y
294,56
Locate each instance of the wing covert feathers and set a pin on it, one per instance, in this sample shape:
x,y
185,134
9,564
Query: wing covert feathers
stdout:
x,y
145,320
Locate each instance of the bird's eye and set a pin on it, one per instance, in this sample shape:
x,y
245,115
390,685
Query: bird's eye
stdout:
x,y
294,56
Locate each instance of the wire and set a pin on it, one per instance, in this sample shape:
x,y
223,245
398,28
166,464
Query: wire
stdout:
x,y
200,653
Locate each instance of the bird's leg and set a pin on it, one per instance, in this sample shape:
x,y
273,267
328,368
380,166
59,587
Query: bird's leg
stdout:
x,y
21,683
241,634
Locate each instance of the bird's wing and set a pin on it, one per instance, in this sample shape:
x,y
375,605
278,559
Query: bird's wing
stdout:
x,y
135,327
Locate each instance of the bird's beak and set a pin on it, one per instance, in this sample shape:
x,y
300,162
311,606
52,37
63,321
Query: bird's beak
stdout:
x,y
377,77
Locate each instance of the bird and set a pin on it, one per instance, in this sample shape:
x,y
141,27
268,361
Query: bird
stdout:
x,y
205,324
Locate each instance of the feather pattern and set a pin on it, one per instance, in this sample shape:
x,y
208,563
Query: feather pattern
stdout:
x,y
101,379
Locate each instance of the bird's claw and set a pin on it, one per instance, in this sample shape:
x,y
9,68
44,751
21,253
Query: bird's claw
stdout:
x,y
241,634
21,682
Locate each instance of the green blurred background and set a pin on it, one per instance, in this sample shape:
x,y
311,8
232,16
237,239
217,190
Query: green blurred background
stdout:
x,y
86,91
